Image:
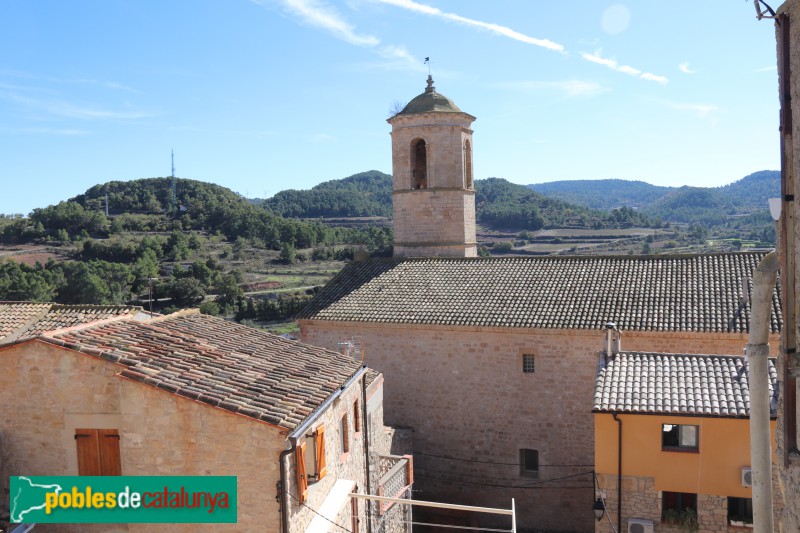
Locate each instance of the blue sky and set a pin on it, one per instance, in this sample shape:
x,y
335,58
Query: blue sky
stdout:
x,y
265,95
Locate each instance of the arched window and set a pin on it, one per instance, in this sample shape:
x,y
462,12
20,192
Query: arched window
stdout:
x,y
419,164
467,165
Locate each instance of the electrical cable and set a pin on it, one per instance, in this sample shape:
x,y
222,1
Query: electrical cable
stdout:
x,y
485,462
498,485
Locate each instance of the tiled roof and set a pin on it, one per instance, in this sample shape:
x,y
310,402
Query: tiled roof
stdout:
x,y
677,384
227,365
697,293
25,320
14,315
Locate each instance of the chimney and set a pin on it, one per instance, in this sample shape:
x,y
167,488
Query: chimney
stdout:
x,y
613,341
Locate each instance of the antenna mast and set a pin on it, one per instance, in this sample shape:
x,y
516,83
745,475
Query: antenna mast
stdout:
x,y
174,183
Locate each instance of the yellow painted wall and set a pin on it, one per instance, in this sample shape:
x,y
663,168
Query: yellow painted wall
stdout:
x,y
715,469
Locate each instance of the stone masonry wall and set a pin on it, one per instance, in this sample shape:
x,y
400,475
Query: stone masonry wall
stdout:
x,y
464,393
642,500
788,461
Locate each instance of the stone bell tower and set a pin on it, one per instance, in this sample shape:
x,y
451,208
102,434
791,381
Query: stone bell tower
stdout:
x,y
434,194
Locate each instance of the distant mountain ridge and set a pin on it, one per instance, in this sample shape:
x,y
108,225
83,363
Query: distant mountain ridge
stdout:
x,y
499,204
748,194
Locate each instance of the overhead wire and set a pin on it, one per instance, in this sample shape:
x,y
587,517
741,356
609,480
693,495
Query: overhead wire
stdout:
x,y
487,462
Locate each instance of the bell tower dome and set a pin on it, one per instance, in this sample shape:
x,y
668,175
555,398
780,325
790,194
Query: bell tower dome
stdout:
x,y
433,194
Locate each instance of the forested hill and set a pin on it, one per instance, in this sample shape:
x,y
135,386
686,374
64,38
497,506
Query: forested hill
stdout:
x,y
499,204
360,195
603,194
749,193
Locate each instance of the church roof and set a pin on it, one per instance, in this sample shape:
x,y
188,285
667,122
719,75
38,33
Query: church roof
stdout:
x,y
677,384
692,293
430,101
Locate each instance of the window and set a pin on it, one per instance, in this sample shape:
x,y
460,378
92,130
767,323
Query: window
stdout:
x,y
356,419
528,363
679,507
529,462
467,165
419,164
98,452
344,436
679,437
740,510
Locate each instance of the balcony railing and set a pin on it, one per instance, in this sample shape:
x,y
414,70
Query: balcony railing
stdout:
x,y
397,475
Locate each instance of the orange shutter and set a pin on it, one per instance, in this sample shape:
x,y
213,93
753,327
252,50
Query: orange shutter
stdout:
x,y
319,450
302,480
88,456
108,443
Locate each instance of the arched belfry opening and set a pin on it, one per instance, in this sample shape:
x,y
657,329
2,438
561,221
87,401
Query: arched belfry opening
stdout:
x,y
419,164
467,165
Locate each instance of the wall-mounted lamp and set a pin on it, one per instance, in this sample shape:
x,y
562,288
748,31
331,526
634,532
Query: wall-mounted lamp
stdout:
x,y
775,208
599,509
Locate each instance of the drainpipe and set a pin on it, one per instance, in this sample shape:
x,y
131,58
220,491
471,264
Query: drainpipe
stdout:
x,y
619,470
365,428
284,466
757,351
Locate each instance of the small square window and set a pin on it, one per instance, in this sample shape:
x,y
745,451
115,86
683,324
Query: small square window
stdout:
x,y
740,510
679,437
529,462
528,363
679,508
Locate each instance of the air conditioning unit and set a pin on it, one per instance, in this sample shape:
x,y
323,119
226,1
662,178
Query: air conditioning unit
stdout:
x,y
640,525
747,476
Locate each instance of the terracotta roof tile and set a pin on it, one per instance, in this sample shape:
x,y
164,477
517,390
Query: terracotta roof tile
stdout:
x,y
697,293
677,384
14,315
25,320
227,365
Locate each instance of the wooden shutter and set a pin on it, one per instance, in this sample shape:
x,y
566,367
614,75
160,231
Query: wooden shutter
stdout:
x,y
319,451
88,456
98,452
302,480
108,444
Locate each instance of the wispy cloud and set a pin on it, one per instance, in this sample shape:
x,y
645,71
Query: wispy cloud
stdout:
x,y
684,67
69,110
568,88
597,58
504,31
770,68
699,110
322,15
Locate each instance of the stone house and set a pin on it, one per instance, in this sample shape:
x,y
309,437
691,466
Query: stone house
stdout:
x,y
188,394
491,360
680,424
